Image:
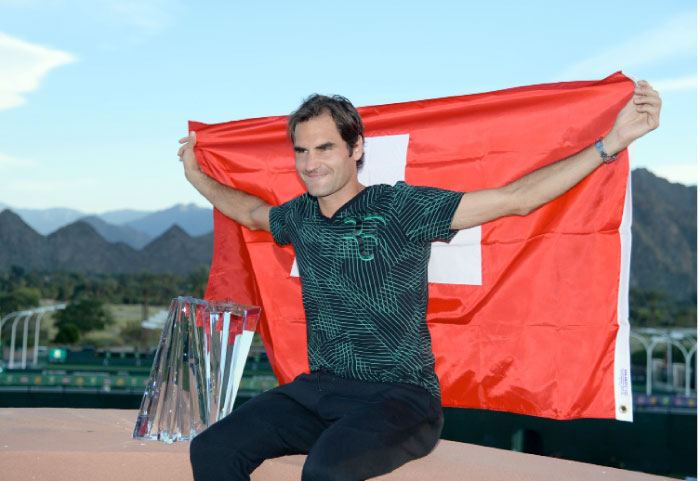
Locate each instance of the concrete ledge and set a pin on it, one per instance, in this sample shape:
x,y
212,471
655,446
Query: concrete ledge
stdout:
x,y
76,444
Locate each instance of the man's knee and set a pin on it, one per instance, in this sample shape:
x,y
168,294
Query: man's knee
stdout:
x,y
324,470
198,452
215,458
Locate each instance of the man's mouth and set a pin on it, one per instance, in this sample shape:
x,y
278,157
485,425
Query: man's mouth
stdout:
x,y
315,175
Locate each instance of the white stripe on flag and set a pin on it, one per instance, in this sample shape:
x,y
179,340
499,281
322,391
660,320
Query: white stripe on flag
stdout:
x,y
623,379
458,262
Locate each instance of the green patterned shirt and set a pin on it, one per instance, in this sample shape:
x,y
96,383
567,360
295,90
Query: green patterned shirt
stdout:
x,y
364,277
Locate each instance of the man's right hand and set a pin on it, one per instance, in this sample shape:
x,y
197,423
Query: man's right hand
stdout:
x,y
244,208
186,153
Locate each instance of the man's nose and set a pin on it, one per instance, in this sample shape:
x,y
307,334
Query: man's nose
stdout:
x,y
312,162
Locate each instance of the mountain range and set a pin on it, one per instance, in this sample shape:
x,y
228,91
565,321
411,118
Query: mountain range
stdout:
x,y
664,235
664,239
79,247
135,228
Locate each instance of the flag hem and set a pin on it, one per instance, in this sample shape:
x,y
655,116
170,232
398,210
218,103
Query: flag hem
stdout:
x,y
622,380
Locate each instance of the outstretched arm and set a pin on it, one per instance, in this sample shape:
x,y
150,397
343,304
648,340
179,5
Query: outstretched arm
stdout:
x,y
246,209
638,117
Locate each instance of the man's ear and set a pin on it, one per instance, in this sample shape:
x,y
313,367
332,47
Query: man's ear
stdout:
x,y
358,150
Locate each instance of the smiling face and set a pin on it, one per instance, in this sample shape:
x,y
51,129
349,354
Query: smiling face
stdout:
x,y
323,161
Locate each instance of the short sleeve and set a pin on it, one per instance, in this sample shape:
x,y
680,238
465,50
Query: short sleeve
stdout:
x,y
426,213
279,217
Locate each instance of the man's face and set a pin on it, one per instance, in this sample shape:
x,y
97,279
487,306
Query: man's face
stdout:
x,y
322,158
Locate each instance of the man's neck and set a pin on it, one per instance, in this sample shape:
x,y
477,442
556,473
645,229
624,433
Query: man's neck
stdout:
x,y
330,204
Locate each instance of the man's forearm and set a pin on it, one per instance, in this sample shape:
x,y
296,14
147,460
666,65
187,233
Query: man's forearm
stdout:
x,y
547,183
639,116
527,193
246,209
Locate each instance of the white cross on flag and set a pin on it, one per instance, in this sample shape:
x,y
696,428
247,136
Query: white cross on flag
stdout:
x,y
458,262
526,314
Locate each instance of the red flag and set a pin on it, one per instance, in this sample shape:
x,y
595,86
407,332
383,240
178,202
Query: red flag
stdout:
x,y
527,314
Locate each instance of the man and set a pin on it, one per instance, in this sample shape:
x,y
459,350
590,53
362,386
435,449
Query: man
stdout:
x,y
372,400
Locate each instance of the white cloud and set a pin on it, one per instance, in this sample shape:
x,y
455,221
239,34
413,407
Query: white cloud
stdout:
x,y
10,162
108,23
82,193
689,82
675,37
33,188
18,3
681,173
147,17
22,67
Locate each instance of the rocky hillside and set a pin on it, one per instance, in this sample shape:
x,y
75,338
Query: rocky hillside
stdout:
x,y
664,235
78,247
664,242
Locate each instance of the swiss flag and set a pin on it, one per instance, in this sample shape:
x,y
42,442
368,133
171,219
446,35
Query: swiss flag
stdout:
x,y
527,314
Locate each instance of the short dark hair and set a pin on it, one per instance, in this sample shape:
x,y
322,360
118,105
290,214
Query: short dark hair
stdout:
x,y
347,118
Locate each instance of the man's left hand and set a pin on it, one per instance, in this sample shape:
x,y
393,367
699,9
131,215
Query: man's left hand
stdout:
x,y
639,116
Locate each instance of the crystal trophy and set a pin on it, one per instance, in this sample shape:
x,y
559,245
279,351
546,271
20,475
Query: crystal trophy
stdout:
x,y
197,368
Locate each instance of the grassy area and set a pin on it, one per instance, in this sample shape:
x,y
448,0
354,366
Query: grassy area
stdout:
x,y
125,331
124,313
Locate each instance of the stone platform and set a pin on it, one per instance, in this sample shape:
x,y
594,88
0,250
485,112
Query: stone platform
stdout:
x,y
96,444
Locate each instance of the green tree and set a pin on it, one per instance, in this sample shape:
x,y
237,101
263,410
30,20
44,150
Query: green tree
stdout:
x,y
67,334
136,335
650,308
17,275
86,314
196,283
19,298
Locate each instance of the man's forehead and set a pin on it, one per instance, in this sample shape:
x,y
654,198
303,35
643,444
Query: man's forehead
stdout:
x,y
317,129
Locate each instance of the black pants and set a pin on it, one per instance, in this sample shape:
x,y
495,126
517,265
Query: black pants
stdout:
x,y
351,430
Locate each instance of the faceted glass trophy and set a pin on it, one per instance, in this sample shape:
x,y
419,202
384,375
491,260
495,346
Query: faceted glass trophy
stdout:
x,y
197,368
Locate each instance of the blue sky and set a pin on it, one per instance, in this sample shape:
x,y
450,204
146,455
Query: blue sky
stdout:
x,y
94,94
